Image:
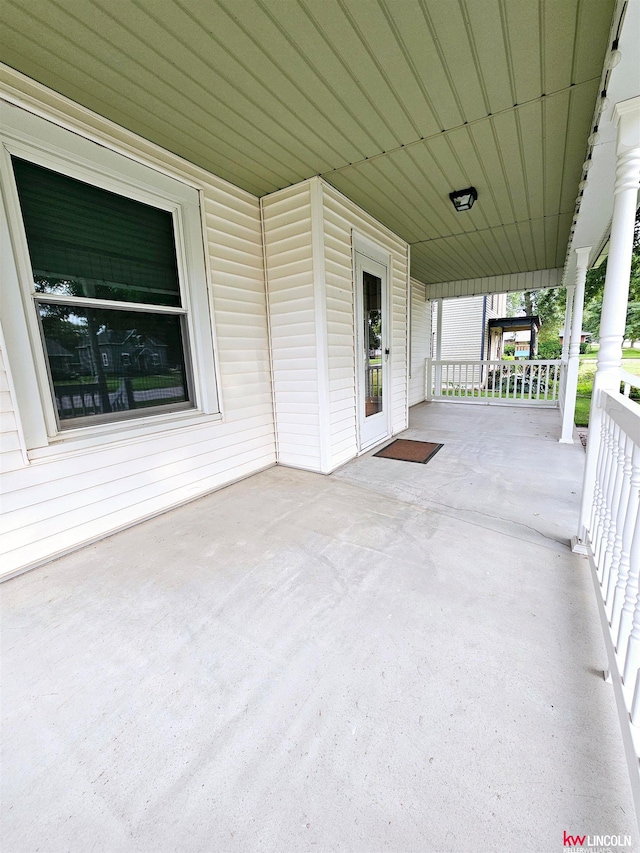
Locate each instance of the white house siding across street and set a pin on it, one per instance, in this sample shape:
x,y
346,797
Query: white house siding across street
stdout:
x,y
462,325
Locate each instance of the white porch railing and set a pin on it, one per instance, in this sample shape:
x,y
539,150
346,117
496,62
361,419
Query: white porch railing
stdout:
x,y
629,381
613,545
514,382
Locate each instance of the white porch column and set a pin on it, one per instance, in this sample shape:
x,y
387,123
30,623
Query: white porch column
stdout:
x,y
571,383
616,287
564,358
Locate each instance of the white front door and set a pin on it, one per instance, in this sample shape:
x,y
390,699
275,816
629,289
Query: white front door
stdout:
x,y
372,350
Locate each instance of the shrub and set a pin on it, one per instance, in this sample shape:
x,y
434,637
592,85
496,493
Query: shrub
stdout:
x,y
549,350
509,349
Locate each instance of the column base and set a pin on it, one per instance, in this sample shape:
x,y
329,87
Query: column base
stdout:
x,y
578,547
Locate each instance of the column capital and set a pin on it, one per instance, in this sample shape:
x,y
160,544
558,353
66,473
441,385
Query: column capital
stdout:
x,y
582,254
626,115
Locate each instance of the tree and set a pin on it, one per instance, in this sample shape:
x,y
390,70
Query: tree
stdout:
x,y
546,304
594,292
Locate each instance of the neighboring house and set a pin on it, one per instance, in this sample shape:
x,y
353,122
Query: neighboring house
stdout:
x,y
123,352
465,324
61,360
584,336
523,331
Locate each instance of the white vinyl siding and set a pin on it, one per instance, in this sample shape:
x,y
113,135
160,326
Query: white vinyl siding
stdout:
x,y
534,280
308,249
420,338
58,502
341,218
13,454
462,325
294,357
462,328
69,491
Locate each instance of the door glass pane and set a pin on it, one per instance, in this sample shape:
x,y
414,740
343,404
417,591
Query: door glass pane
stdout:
x,y
102,362
373,333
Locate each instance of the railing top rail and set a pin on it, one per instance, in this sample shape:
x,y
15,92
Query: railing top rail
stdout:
x,y
624,412
543,362
630,379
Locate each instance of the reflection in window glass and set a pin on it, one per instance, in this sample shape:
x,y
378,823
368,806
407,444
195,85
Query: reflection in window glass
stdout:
x,y
372,296
92,250
103,361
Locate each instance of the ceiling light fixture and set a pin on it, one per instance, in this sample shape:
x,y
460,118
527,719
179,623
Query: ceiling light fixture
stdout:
x,y
464,199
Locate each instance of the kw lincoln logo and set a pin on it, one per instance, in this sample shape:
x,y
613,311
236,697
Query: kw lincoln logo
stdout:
x,y
594,843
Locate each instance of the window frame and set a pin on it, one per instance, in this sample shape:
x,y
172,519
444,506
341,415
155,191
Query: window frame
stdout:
x,y
33,138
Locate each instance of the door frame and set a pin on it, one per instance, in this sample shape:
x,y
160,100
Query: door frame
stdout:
x,y
366,250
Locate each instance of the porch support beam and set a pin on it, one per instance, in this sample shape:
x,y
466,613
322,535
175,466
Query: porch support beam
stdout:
x,y
571,383
616,289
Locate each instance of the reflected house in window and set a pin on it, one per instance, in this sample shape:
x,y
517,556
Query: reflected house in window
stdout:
x,y
61,360
123,352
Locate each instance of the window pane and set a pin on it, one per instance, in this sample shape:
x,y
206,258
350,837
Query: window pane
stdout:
x,y
373,331
105,361
86,241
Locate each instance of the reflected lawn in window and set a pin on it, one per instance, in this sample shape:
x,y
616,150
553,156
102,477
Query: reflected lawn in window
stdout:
x,y
104,361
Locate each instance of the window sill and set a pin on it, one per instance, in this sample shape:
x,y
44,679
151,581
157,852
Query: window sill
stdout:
x,y
108,435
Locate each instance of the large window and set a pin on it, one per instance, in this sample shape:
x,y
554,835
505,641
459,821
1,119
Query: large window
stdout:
x,y
106,288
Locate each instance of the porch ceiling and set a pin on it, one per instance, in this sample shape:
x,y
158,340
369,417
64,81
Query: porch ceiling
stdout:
x,y
396,104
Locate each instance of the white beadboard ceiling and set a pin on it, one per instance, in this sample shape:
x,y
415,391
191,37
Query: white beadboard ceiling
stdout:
x,y
394,102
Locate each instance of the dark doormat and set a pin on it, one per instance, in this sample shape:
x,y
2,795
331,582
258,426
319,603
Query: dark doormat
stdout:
x,y
407,450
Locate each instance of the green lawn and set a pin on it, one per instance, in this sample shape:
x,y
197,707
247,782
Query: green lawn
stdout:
x,y
631,363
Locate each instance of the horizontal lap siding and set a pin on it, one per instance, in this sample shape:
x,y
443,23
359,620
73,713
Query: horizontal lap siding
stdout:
x,y
420,341
292,315
462,328
340,217
340,333
11,447
533,280
52,506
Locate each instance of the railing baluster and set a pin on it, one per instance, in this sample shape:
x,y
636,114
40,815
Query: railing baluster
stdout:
x,y
546,382
596,504
601,524
605,549
635,703
613,544
632,655
622,610
519,382
619,571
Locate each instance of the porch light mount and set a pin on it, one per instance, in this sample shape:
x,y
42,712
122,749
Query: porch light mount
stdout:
x,y
463,199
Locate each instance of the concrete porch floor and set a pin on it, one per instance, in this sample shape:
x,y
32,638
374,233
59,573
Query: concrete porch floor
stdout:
x,y
397,657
